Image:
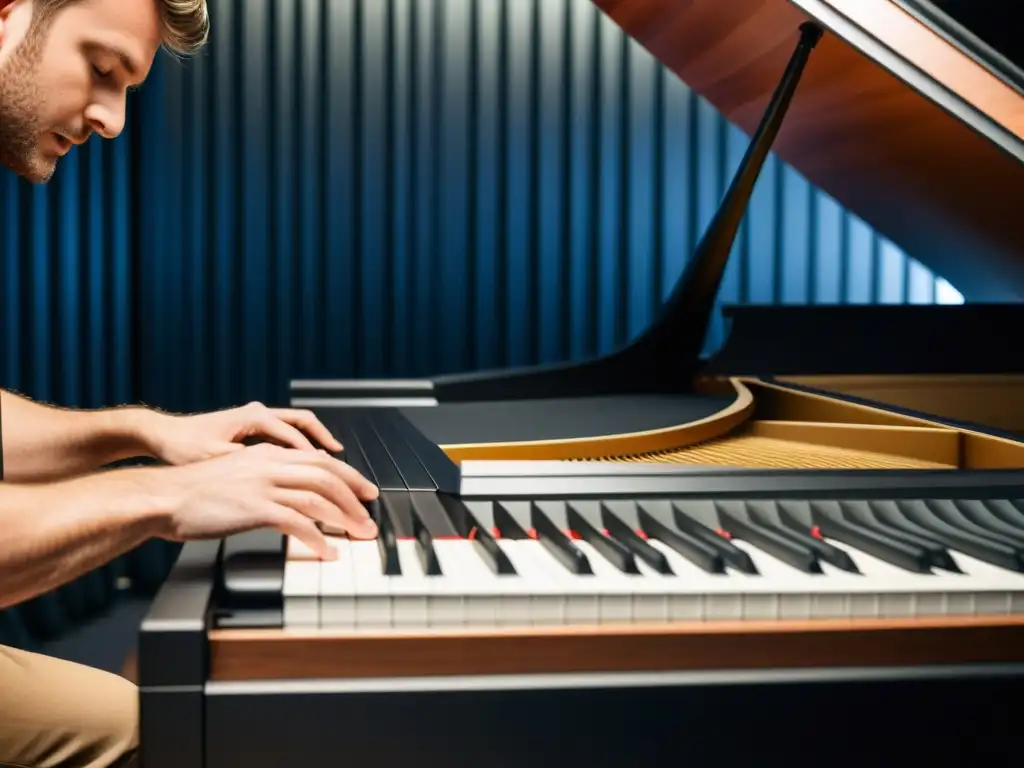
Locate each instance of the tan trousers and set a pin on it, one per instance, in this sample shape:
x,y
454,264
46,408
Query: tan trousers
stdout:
x,y
57,713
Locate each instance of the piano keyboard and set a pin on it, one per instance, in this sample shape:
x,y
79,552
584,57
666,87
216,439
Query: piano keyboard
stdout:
x,y
442,563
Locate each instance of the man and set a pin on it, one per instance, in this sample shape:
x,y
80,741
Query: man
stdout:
x,y
65,68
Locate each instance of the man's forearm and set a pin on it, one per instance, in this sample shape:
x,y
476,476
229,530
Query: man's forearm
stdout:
x,y
43,442
53,533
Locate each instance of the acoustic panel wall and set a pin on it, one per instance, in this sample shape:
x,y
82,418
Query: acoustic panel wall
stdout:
x,y
65,280
408,187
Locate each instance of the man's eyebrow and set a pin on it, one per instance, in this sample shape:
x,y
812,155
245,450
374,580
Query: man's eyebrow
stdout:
x,y
126,61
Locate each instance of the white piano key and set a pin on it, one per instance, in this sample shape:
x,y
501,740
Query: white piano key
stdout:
x,y
373,591
533,595
692,587
650,597
338,589
296,549
579,593
614,588
301,593
997,590
484,589
410,591
794,594
446,604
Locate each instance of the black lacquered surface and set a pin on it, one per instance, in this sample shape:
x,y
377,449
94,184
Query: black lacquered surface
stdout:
x,y
559,418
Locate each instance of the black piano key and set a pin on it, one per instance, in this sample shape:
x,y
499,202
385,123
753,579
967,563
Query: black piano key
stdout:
x,y
995,553
796,555
425,551
906,556
444,472
416,477
800,534
490,552
862,512
466,523
694,550
886,515
557,543
948,513
731,554
1007,511
626,536
433,514
382,466
459,514
352,452
977,513
508,527
387,544
611,550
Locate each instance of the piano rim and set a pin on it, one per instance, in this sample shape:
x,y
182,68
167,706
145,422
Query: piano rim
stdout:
x,y
714,426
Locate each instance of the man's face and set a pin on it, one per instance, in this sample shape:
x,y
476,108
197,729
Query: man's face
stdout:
x,y
62,82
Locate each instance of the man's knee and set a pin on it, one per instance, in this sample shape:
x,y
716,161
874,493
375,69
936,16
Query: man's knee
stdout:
x,y
113,730
57,713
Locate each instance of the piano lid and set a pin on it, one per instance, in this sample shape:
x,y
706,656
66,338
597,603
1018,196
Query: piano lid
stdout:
x,y
988,30
910,114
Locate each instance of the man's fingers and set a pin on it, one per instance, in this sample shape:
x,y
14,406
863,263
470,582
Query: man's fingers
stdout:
x,y
316,478
283,433
362,487
317,508
292,523
312,505
310,424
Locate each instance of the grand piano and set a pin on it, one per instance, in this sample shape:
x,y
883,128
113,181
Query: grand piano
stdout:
x,y
807,547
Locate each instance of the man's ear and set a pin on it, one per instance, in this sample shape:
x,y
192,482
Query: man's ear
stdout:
x,y
6,8
5,12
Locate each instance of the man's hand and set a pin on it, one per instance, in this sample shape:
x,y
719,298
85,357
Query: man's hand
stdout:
x,y
54,532
186,439
263,486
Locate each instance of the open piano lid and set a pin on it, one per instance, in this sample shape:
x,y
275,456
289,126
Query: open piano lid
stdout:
x,y
907,114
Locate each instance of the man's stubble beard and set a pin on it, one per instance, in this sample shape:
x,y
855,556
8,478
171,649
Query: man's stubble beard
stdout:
x,y
21,100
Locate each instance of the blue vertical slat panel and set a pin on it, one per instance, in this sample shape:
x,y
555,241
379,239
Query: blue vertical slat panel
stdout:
x,y
333,125
374,188
66,334
285,211
66,269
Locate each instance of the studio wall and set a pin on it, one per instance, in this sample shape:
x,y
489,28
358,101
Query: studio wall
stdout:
x,y
374,188
410,187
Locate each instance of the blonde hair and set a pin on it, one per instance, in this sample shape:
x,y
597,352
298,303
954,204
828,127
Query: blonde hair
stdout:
x,y
186,23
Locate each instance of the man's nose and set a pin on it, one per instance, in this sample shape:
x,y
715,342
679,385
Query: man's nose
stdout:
x,y
105,119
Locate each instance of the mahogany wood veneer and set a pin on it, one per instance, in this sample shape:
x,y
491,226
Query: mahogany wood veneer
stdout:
x,y
924,177
267,654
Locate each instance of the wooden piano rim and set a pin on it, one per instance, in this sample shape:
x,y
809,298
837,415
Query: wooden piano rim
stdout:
x,y
707,428
268,654
739,411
